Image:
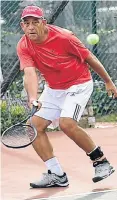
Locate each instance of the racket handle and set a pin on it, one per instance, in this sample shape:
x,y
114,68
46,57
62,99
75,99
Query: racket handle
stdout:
x,y
34,108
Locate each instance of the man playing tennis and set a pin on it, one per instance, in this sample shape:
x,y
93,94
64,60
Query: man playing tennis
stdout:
x,y
64,62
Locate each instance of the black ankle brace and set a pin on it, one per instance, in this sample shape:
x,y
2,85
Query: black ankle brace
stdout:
x,y
100,162
96,154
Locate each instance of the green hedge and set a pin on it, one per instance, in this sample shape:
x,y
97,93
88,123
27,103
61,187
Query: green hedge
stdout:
x,y
11,115
102,104
14,114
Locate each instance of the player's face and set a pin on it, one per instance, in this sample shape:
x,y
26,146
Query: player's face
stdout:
x,y
33,27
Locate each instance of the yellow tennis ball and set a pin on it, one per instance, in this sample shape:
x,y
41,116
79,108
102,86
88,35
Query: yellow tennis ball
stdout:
x,y
93,39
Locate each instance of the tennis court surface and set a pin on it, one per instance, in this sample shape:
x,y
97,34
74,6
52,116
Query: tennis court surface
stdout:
x,y
108,195
20,167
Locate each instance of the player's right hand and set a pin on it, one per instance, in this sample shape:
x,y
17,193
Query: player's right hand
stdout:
x,y
111,89
35,103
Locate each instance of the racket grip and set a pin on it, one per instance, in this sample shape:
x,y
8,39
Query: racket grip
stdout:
x,y
33,111
34,108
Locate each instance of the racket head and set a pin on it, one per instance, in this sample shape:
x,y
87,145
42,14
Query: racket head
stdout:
x,y
19,136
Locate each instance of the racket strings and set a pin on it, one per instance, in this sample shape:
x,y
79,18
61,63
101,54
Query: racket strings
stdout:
x,y
19,136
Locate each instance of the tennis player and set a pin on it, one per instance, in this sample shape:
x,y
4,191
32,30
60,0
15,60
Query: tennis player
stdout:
x,y
65,64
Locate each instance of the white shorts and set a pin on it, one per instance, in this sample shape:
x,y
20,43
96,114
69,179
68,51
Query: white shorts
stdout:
x,y
65,103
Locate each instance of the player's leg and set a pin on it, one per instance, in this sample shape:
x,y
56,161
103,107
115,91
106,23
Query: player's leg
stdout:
x,y
42,144
72,110
70,127
42,119
73,107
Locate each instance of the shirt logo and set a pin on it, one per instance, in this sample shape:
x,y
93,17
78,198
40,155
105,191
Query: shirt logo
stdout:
x,y
72,94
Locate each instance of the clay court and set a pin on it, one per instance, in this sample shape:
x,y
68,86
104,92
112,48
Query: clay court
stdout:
x,y
20,167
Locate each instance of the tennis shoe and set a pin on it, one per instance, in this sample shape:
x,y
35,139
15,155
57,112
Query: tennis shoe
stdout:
x,y
103,169
51,180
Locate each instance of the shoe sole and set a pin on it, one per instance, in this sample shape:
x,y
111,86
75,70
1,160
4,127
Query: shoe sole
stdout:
x,y
97,179
49,186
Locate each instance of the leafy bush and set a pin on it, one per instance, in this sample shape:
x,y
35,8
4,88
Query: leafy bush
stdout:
x,y
16,87
107,118
11,115
102,104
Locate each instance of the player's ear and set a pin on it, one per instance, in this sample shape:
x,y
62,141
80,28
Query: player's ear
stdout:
x,y
44,21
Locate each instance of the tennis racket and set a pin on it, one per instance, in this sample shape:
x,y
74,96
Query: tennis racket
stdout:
x,y
21,134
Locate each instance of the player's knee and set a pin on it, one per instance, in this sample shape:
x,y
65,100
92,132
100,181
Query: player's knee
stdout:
x,y
67,124
39,125
40,129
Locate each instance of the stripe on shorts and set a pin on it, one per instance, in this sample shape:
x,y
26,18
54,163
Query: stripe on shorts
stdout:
x,y
76,112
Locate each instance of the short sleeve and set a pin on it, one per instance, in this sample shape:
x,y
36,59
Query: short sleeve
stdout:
x,y
77,48
25,58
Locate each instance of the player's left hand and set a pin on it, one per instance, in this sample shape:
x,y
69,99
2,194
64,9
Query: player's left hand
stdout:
x,y
111,89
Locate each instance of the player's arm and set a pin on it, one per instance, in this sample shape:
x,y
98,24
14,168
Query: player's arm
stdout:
x,y
28,66
31,83
97,66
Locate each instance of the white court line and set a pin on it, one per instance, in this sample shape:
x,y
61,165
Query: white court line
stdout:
x,y
76,195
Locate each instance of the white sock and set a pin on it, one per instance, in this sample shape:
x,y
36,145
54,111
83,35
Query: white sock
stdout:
x,y
54,166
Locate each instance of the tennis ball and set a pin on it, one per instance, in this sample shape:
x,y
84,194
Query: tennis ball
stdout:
x,y
93,39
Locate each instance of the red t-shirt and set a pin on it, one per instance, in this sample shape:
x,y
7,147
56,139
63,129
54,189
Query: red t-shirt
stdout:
x,y
60,59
